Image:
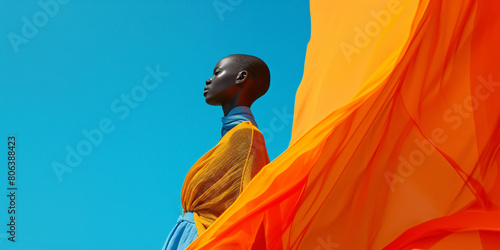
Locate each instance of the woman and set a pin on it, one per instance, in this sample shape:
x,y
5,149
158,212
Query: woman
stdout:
x,y
217,178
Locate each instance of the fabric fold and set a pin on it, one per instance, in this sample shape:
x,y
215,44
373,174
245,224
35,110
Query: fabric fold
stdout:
x,y
395,141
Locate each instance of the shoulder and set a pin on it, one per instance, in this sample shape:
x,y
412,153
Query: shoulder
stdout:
x,y
257,156
245,128
244,132
247,132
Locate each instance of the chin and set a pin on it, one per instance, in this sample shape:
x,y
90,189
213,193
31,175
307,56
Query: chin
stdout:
x,y
210,102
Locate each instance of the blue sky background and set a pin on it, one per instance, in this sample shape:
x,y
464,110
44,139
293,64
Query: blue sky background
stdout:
x,y
125,194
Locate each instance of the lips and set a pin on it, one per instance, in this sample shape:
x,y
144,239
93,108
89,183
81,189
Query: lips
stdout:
x,y
205,92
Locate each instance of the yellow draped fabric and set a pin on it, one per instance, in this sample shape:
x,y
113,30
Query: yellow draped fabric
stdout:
x,y
396,135
217,178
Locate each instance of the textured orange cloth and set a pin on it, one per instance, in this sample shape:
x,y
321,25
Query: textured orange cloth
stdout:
x,y
396,135
217,178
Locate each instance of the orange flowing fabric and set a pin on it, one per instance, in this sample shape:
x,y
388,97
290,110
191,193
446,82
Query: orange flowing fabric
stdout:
x,y
396,135
216,179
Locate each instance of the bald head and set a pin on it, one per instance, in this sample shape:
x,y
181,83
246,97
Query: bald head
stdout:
x,y
258,74
237,80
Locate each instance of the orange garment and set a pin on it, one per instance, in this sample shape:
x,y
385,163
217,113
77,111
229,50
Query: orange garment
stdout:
x,y
396,135
217,178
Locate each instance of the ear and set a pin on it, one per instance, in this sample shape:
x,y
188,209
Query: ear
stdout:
x,y
242,76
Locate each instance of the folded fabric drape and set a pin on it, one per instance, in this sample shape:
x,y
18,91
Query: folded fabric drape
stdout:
x,y
236,116
183,233
396,135
214,182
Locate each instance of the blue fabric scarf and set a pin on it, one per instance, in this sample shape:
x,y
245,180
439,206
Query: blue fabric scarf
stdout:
x,y
236,116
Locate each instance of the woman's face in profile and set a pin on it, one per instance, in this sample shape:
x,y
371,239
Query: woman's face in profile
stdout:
x,y
221,88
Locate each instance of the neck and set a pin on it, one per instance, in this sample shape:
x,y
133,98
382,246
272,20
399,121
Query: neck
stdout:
x,y
237,101
227,108
236,116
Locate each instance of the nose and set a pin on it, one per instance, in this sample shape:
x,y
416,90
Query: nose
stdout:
x,y
208,81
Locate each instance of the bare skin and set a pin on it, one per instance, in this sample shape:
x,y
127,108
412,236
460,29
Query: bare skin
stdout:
x,y
229,86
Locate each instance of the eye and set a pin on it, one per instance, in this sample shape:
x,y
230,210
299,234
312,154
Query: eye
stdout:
x,y
217,72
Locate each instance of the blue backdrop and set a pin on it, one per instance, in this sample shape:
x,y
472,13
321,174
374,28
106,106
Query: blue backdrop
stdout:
x,y
105,100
